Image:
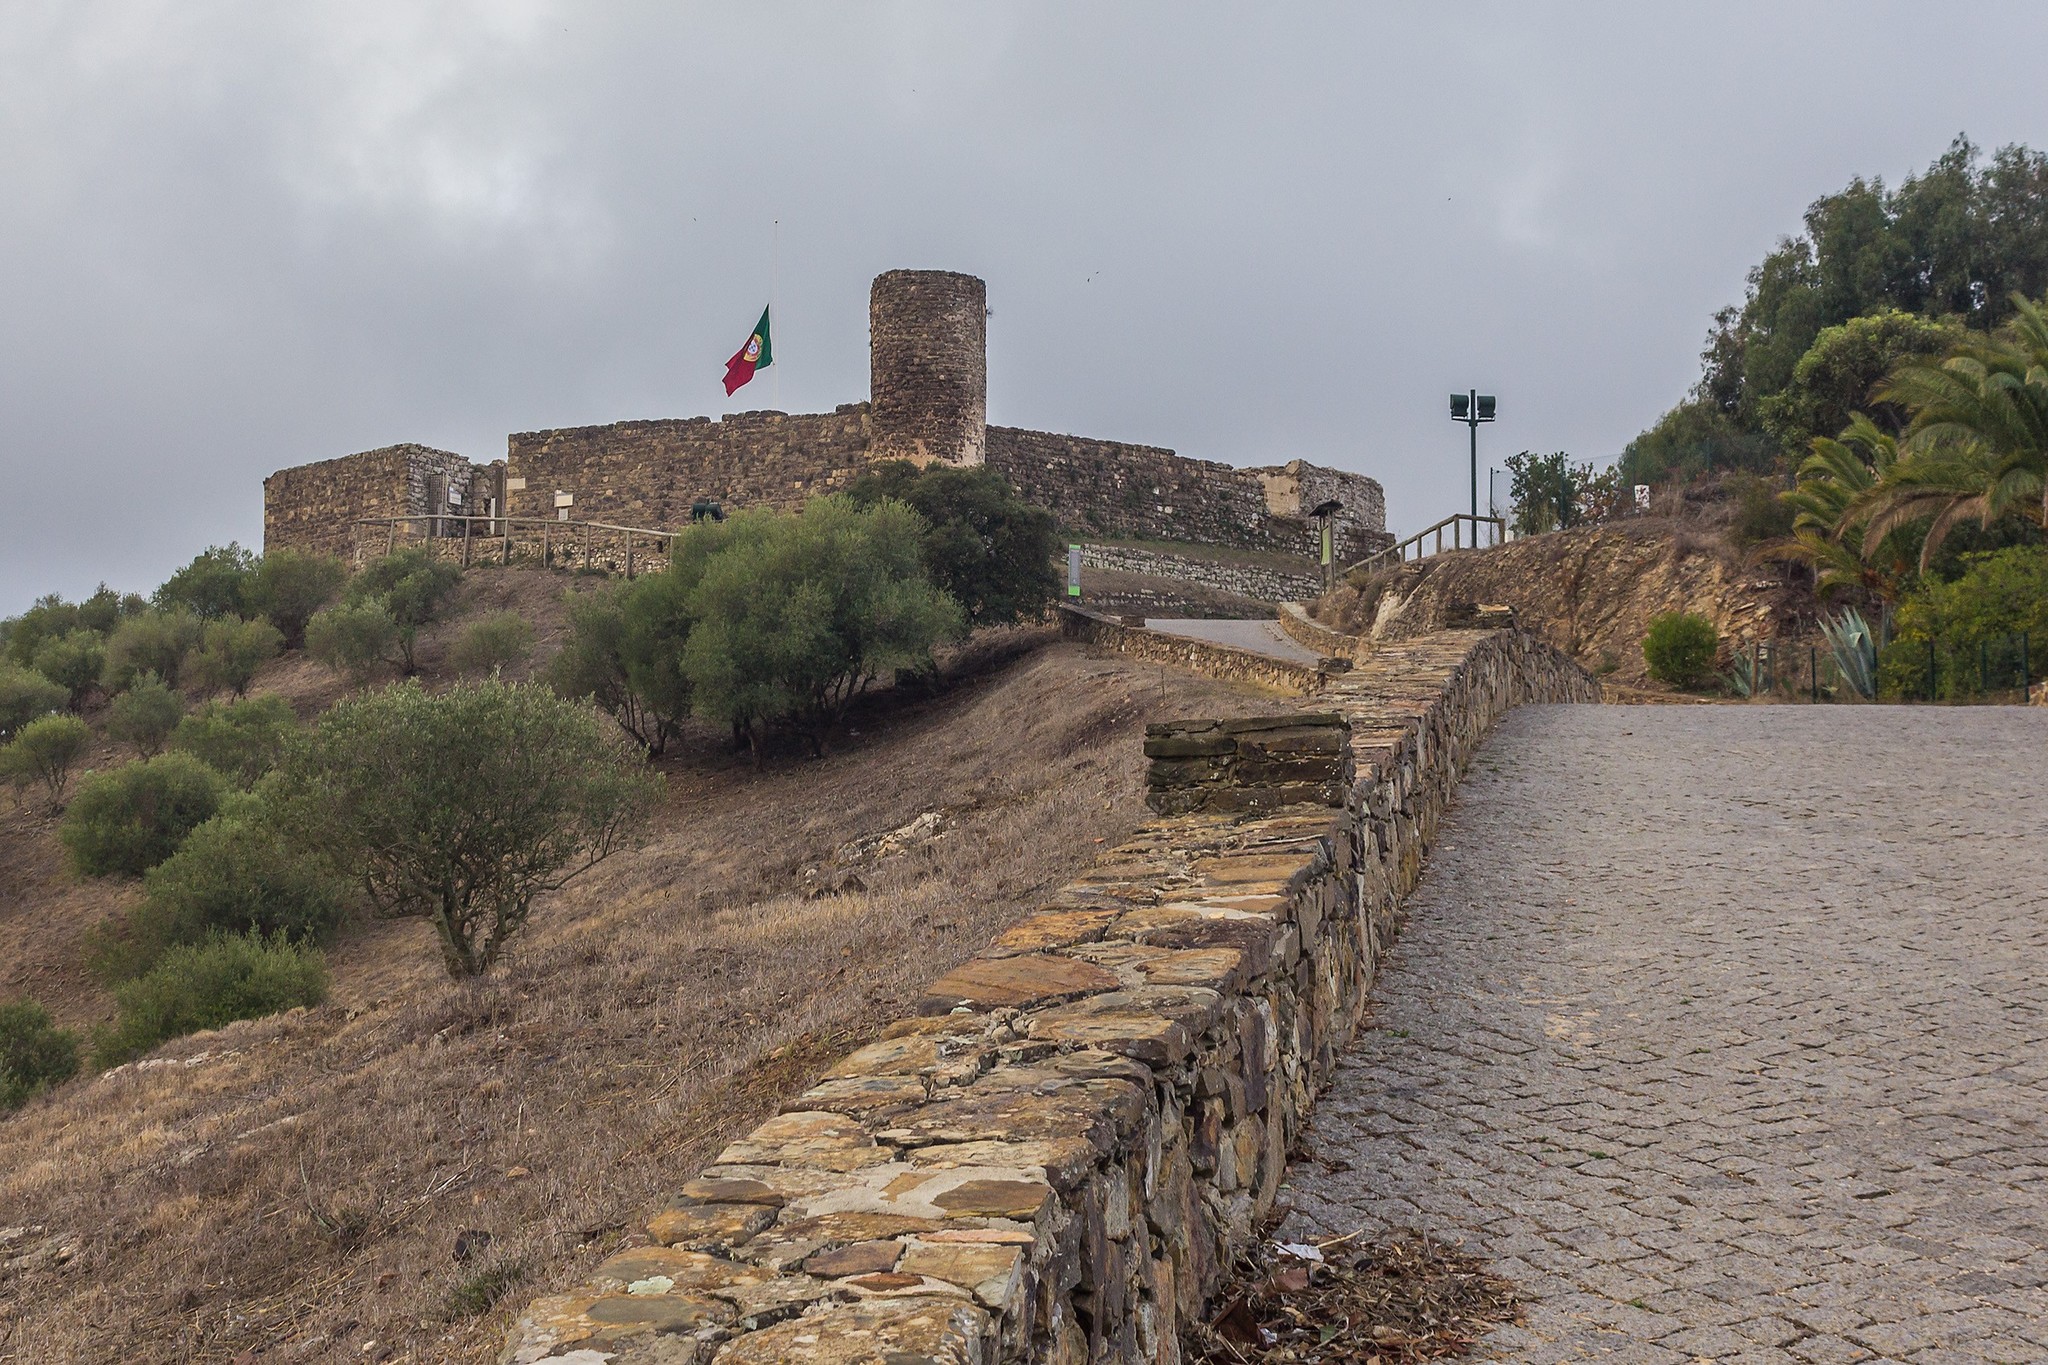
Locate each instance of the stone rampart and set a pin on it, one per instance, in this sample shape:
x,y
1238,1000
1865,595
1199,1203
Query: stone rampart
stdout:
x,y
1150,493
649,473
1247,580
1055,1159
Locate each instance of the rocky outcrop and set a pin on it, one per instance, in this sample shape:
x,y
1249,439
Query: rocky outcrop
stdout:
x,y
1056,1157
1589,591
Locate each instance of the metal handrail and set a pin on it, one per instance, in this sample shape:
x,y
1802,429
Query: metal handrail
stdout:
x,y
530,521
1398,553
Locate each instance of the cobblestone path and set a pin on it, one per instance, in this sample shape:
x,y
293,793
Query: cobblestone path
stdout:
x,y
1725,1032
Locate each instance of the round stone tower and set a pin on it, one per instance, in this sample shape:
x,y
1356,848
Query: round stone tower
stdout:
x,y
928,357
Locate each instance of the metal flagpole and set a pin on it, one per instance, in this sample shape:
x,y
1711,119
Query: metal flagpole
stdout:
x,y
774,283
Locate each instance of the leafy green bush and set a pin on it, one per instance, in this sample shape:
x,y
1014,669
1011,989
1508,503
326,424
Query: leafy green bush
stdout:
x,y
206,985
1760,513
795,616
215,584
353,637
611,662
129,819
241,740
149,642
1680,648
52,618
1999,596
24,696
233,874
288,586
34,1053
462,807
45,752
492,642
145,715
414,588
984,545
229,652
73,661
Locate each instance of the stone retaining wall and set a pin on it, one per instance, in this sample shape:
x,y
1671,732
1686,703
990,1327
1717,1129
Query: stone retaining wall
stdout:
x,y
1310,633
1055,1158
1204,656
1247,580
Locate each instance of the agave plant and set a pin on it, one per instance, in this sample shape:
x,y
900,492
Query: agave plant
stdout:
x,y
1855,651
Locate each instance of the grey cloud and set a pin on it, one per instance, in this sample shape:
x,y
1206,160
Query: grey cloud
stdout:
x,y
236,236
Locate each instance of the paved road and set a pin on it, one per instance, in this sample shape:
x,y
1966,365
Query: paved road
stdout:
x,y
1261,637
1724,1031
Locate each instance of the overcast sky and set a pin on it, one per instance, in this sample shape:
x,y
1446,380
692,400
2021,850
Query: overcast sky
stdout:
x,y
237,235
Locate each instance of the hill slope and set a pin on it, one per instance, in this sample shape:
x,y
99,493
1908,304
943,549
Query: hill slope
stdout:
x,y
374,1170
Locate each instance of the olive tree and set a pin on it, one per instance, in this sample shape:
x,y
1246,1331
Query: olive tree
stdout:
x,y
462,807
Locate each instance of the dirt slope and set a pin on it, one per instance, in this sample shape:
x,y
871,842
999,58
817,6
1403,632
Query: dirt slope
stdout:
x,y
357,1181
1590,591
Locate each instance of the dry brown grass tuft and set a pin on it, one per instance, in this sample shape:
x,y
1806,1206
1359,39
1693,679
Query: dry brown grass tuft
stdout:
x,y
306,1185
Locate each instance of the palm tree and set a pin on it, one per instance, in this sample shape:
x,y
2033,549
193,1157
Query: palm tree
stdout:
x,y
1977,444
1840,471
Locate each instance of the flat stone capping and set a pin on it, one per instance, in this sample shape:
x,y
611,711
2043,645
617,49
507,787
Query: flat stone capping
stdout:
x,y
1055,1158
1204,656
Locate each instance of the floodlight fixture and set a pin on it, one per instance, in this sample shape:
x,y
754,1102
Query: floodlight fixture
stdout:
x,y
1472,408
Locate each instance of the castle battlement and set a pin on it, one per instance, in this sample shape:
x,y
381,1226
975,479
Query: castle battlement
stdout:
x,y
928,402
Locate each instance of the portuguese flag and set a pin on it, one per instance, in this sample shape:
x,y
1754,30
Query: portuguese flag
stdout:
x,y
755,355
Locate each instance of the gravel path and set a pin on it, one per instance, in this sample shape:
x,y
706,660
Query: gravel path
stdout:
x,y
1261,637
1724,1030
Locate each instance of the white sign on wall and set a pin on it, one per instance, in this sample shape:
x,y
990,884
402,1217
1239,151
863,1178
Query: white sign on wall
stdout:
x,y
1642,497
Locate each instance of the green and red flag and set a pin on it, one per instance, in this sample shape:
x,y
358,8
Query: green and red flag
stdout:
x,y
755,355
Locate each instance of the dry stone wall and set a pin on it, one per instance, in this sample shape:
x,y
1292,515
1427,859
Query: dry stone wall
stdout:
x,y
647,474
1055,1158
312,506
1247,580
1151,493
1203,656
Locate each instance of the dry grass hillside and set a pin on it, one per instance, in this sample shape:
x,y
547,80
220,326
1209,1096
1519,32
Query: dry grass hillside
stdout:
x,y
360,1181
1590,591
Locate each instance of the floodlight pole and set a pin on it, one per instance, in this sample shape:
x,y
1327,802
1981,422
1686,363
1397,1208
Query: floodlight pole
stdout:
x,y
1471,409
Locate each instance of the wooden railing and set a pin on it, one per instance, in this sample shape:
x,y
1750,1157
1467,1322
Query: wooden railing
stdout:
x,y
1465,532
567,542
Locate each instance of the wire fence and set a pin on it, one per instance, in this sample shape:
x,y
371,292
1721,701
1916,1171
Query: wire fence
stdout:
x,y
1981,668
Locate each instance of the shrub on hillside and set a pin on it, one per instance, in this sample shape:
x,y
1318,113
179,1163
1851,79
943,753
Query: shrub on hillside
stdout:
x,y
73,661
354,637
207,985
53,618
288,586
34,1053
234,874
149,642
24,696
491,643
1973,625
795,616
628,669
1760,513
981,543
45,753
129,819
414,588
462,807
1680,648
241,740
215,584
145,715
229,652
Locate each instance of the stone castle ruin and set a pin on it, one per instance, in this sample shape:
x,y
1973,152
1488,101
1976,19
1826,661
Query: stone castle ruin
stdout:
x,y
928,401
